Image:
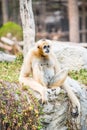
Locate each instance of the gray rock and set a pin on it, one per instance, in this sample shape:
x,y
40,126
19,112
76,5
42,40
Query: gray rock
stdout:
x,y
6,57
71,56
58,111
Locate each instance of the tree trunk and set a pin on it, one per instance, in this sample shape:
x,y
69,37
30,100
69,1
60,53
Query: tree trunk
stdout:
x,y
28,24
73,20
5,11
83,21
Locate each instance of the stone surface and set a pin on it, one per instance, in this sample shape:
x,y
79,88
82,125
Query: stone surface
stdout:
x,y
70,55
6,57
55,115
57,112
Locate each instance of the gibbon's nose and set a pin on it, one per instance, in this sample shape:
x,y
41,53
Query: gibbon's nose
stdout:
x,y
47,51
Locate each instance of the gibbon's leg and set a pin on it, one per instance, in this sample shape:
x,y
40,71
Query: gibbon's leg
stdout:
x,y
58,79
35,86
75,102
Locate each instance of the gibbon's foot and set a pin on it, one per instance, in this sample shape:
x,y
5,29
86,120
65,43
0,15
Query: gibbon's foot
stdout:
x,y
44,96
41,101
75,112
44,101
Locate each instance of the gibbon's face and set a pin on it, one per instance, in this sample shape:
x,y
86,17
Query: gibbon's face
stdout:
x,y
44,47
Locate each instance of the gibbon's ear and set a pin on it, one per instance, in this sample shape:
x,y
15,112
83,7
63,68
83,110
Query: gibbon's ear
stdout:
x,y
38,47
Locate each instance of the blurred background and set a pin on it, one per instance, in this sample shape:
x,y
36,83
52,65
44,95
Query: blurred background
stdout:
x,y
51,17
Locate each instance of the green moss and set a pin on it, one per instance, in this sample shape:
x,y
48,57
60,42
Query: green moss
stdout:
x,y
13,28
81,75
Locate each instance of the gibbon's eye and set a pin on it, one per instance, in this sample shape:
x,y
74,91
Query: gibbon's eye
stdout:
x,y
44,47
48,46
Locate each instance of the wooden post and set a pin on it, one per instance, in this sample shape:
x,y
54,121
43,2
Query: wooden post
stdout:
x,y
83,22
73,20
5,10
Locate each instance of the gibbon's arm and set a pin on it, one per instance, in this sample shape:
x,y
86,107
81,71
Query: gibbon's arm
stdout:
x,y
26,80
57,65
26,66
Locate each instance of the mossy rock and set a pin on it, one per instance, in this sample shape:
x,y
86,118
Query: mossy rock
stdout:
x,y
13,28
19,109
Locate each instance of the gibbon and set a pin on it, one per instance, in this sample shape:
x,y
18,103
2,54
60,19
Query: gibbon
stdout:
x,y
42,63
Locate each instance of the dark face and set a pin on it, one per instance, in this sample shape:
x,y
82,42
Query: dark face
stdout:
x,y
44,47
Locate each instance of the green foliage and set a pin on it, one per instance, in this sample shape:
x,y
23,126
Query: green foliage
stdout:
x,y
80,75
10,71
13,28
